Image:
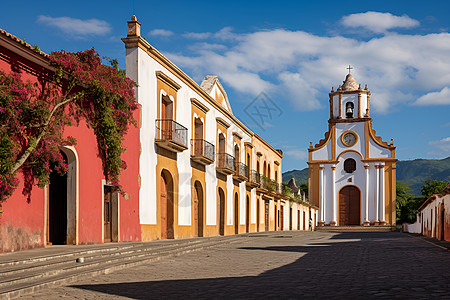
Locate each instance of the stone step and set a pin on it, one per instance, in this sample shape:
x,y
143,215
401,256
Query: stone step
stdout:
x,y
65,269
382,228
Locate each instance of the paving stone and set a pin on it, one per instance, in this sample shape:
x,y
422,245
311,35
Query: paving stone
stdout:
x,y
382,265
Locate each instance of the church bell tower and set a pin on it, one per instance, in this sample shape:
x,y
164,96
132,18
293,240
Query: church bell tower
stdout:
x,y
351,170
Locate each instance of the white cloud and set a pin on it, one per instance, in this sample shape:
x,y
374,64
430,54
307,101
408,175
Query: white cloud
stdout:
x,y
197,35
435,98
443,147
301,68
223,34
76,27
161,32
297,154
378,22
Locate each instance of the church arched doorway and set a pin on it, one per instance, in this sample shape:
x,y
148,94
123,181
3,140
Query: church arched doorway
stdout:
x,y
198,209
349,206
166,205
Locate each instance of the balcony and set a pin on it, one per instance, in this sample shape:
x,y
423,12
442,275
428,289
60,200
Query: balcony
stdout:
x,y
171,136
268,184
202,151
240,171
254,179
225,163
284,190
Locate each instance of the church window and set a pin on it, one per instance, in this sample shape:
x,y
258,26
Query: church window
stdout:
x,y
349,106
349,165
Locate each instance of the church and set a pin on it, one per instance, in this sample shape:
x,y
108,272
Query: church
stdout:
x,y
352,170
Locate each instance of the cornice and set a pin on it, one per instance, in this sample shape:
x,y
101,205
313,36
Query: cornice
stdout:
x,y
199,105
167,80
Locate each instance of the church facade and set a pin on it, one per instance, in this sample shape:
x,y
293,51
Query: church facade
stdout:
x,y
352,170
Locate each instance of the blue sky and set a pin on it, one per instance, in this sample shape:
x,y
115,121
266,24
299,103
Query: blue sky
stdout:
x,y
292,51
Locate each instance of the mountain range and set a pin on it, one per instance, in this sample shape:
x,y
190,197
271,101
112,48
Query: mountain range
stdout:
x,y
413,172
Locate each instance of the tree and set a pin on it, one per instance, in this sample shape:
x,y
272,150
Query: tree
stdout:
x,y
432,186
407,204
33,117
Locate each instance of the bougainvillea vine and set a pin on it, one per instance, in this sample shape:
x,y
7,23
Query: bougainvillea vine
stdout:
x,y
33,117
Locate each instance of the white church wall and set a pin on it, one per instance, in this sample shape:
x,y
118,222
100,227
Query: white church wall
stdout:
x,y
363,104
335,106
358,128
376,151
323,153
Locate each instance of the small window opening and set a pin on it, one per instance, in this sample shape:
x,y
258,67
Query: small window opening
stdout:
x,y
349,165
349,109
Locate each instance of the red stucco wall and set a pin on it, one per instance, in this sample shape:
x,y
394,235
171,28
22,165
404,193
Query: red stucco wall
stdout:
x,y
22,224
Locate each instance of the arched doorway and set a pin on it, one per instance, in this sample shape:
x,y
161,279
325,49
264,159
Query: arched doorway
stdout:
x,y
198,209
221,212
62,202
236,213
349,206
166,205
247,214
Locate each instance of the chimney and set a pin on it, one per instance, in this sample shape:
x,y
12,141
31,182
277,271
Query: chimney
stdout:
x,y
134,27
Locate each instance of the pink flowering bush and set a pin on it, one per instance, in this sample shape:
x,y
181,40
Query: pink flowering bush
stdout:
x,y
33,117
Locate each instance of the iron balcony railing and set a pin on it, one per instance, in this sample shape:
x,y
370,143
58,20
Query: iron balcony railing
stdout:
x,y
240,169
202,148
254,177
225,161
169,130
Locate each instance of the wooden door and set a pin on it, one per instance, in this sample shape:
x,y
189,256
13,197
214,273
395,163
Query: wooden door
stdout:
x,y
163,207
196,211
107,208
221,212
266,216
349,206
281,218
304,220
298,220
258,212
236,213
290,218
247,215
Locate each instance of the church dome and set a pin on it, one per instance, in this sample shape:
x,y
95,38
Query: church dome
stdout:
x,y
350,83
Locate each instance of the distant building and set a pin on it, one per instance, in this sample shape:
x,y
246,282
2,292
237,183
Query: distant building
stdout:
x,y
433,219
351,170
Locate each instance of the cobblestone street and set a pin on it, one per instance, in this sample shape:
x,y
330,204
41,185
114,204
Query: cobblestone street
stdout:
x,y
283,265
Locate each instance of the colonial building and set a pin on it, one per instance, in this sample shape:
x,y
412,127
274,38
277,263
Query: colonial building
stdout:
x,y
433,219
352,170
202,171
79,207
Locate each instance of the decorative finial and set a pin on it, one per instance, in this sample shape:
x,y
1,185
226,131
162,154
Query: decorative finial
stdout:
x,y
349,69
310,145
367,112
359,86
133,18
332,89
392,142
366,87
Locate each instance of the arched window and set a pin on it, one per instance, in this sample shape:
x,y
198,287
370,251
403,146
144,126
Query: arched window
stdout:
x,y
349,165
349,106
